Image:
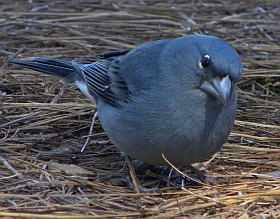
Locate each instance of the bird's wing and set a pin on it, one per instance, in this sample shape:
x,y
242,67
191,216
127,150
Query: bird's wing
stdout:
x,y
103,80
113,54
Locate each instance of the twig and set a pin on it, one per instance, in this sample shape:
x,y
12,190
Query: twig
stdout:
x,y
90,132
20,119
9,167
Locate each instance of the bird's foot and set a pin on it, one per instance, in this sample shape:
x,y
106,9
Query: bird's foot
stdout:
x,y
140,189
133,183
204,178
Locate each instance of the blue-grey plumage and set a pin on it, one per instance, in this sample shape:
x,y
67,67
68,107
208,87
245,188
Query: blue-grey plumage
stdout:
x,y
173,97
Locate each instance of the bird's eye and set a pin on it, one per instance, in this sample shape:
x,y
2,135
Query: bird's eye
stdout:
x,y
205,61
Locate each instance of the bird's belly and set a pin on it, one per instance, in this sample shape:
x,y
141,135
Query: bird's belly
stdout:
x,y
138,138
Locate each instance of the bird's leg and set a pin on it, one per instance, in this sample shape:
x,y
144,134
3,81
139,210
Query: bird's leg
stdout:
x,y
204,178
136,185
169,176
132,174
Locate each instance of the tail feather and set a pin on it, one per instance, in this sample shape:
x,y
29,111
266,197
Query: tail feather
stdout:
x,y
91,79
59,68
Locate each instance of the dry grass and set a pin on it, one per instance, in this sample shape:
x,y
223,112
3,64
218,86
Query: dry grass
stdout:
x,y
44,125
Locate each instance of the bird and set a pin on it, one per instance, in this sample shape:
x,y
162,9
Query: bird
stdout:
x,y
172,97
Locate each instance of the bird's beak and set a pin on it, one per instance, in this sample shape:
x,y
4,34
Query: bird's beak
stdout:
x,y
218,88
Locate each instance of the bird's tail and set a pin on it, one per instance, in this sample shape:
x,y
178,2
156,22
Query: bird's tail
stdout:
x,y
59,68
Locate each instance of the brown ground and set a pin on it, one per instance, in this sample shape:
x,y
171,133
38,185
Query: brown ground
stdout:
x,y
43,127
